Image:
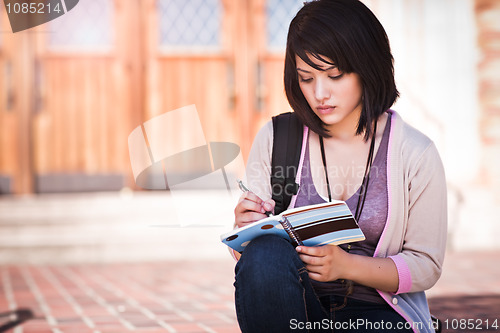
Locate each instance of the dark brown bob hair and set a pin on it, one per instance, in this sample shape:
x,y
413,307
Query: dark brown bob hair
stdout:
x,y
347,33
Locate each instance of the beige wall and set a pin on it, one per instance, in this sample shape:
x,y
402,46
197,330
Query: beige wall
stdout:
x,y
488,21
447,63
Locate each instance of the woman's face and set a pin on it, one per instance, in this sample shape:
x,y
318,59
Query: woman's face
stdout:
x,y
335,97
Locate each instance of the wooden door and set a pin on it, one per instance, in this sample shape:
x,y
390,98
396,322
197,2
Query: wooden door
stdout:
x,y
72,90
269,40
6,116
87,92
190,60
15,106
224,56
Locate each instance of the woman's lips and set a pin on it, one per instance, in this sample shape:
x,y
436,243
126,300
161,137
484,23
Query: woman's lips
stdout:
x,y
325,109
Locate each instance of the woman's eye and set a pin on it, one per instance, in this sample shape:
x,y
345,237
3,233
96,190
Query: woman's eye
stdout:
x,y
336,77
301,79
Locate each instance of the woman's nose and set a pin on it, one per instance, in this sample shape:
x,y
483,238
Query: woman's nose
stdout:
x,y
321,90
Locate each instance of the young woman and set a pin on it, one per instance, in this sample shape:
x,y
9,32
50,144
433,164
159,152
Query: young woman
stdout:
x,y
339,80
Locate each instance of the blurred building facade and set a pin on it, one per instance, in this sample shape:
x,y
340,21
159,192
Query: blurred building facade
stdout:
x,y
73,89
488,14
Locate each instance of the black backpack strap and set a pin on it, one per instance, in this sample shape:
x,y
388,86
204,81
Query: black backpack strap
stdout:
x,y
287,145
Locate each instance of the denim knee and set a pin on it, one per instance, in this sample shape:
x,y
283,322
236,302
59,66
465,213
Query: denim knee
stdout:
x,y
268,258
272,286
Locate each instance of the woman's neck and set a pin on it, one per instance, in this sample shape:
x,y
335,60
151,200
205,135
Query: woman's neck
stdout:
x,y
345,131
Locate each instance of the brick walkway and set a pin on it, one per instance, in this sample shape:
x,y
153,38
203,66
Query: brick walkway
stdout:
x,y
198,296
118,298
469,290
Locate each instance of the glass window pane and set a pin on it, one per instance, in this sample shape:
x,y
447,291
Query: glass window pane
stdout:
x,y
88,26
189,24
279,15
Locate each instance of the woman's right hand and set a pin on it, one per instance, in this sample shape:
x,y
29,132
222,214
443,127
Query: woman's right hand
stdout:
x,y
251,208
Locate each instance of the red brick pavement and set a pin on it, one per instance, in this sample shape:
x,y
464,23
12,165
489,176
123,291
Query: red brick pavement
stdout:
x,y
467,297
198,296
118,298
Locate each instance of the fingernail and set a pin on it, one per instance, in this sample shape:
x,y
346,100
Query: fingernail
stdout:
x,y
267,206
298,249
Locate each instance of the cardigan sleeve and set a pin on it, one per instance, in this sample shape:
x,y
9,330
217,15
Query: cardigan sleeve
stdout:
x,y
420,262
258,168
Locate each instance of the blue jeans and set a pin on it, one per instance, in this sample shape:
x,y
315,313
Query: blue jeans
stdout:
x,y
273,293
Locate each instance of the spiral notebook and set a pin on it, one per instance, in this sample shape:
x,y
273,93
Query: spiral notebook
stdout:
x,y
314,225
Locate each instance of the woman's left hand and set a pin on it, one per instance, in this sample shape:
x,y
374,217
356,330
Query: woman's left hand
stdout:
x,y
324,263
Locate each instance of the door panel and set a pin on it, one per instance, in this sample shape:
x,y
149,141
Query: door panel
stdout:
x,y
15,105
7,144
201,81
82,117
189,62
277,16
82,112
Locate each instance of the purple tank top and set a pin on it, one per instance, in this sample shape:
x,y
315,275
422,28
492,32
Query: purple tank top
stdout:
x,y
372,219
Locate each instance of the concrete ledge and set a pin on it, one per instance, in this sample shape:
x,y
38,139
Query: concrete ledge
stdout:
x,y
5,184
78,182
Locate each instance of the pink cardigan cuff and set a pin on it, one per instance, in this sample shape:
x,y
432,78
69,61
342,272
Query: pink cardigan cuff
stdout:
x,y
403,273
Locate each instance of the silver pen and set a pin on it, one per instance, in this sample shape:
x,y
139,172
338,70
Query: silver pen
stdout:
x,y
244,188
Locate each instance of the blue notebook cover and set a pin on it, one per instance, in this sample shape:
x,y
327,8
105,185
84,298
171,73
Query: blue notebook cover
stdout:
x,y
314,225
